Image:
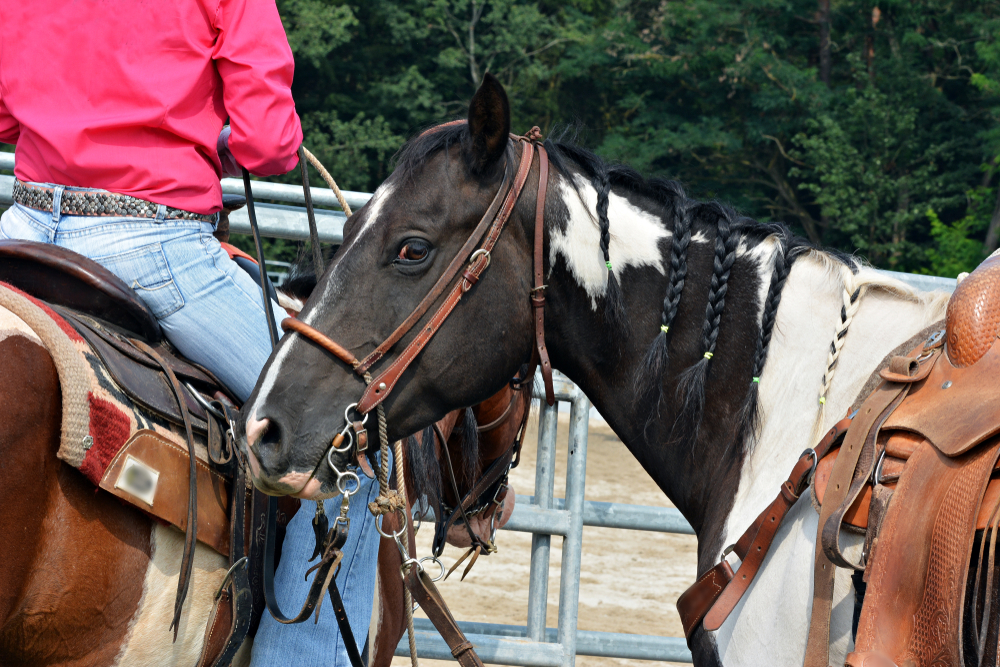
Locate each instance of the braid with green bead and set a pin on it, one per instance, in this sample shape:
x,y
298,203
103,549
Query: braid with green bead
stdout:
x,y
749,414
614,306
655,364
691,383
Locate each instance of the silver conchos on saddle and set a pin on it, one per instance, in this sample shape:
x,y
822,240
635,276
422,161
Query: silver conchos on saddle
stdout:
x,y
138,479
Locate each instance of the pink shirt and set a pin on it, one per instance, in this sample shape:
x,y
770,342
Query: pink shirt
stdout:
x,y
130,96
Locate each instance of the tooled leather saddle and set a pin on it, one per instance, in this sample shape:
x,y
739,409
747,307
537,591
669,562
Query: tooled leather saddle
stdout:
x,y
125,335
924,486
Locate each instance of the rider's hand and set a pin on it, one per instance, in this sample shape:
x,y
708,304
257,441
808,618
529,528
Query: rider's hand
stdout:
x,y
230,167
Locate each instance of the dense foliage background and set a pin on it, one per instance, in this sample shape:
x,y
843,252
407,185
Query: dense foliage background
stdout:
x,y
868,126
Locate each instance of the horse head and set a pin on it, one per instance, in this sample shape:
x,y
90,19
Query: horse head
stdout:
x,y
395,250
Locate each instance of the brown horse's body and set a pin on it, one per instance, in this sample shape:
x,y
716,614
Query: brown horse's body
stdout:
x,y
87,580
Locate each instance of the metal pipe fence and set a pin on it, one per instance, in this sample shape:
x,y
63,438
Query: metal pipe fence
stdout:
x,y
542,515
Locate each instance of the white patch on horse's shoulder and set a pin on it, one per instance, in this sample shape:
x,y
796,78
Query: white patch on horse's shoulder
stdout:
x,y
149,643
635,238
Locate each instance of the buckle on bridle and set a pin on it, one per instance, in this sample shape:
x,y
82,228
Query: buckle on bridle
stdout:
x,y
479,253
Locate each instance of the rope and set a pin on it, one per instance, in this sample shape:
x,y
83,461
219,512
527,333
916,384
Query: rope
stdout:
x,y
407,597
329,180
851,304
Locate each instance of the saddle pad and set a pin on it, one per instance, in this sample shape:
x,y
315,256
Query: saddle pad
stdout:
x,y
99,420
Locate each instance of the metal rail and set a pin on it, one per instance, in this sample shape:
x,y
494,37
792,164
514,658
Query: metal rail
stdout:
x,y
542,515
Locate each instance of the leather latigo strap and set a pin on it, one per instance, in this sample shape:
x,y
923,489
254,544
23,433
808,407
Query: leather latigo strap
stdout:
x,y
429,598
717,592
871,415
384,383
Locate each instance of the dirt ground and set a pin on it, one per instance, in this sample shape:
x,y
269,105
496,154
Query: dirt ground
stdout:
x,y
629,580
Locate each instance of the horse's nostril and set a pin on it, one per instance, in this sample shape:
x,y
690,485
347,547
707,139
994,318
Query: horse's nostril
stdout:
x,y
256,428
270,439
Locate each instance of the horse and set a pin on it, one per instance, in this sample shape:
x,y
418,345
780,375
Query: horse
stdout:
x,y
88,580
716,347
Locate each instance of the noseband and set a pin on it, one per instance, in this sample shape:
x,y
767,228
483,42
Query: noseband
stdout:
x,y
474,256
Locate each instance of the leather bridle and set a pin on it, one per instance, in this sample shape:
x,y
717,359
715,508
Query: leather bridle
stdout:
x,y
475,257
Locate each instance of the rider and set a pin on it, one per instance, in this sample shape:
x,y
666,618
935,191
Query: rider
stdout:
x,y
129,100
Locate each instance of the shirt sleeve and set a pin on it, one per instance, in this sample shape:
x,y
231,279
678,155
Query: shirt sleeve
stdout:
x,y
256,65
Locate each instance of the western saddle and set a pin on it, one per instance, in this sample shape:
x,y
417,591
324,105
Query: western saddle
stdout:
x,y
125,336
915,469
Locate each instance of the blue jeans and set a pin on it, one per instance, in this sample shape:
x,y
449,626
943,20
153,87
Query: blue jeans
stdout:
x,y
320,645
207,306
211,311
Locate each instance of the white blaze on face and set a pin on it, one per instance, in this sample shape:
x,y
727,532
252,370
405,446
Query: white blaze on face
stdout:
x,y
635,238
330,292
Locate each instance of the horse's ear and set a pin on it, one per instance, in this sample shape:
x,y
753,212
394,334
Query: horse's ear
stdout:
x,y
489,124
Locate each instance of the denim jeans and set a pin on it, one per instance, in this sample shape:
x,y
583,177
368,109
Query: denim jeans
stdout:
x,y
211,311
319,645
207,306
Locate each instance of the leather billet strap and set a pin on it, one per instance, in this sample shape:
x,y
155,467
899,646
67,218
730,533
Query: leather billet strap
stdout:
x,y
384,383
427,595
717,592
191,531
869,418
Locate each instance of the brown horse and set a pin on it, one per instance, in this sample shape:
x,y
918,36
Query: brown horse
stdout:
x,y
87,580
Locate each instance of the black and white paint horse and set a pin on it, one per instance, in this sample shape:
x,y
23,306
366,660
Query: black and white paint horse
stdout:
x,y
707,340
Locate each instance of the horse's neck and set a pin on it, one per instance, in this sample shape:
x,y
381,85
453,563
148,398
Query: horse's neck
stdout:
x,y
808,319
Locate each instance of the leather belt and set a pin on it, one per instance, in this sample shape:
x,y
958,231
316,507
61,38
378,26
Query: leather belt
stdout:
x,y
98,203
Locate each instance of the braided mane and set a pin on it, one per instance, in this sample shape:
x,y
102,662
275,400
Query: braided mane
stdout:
x,y
681,214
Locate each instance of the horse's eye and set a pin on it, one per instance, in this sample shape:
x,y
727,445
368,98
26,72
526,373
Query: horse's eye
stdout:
x,y
413,251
